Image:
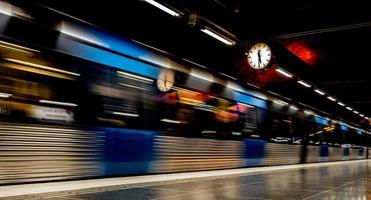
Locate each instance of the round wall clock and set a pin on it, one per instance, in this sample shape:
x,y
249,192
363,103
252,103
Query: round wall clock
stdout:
x,y
259,55
165,80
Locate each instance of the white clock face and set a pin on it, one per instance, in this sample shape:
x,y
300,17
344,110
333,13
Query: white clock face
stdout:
x,y
165,80
259,56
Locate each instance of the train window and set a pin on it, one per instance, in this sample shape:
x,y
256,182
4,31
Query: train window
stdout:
x,y
197,114
121,99
33,88
248,118
281,125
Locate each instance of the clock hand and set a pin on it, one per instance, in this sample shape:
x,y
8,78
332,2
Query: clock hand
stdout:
x,y
259,58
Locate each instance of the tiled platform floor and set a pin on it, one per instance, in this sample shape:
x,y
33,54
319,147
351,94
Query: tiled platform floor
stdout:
x,y
344,181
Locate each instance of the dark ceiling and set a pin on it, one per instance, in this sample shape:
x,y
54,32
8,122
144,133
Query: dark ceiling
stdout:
x,y
324,42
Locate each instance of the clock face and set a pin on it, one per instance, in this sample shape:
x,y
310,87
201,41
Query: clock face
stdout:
x,y
259,56
165,80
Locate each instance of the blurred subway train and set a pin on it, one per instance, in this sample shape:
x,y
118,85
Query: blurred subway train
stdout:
x,y
77,102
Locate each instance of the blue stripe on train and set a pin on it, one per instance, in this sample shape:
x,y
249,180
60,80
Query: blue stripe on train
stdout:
x,y
127,151
244,98
324,152
97,55
321,120
254,152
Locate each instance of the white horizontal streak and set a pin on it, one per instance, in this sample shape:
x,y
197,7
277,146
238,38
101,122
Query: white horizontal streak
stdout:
x,y
320,92
58,103
163,8
284,72
132,76
305,84
218,37
171,121
331,98
125,114
5,95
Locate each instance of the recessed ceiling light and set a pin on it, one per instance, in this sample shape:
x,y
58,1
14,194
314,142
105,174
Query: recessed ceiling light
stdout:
x,y
284,72
319,92
331,98
305,84
163,8
349,108
219,37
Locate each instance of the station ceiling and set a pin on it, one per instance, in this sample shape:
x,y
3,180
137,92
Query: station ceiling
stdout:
x,y
324,42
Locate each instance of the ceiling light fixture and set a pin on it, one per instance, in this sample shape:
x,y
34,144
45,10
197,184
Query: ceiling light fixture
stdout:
x,y
349,108
293,107
320,92
308,112
305,84
163,8
331,98
279,102
215,35
284,72
341,104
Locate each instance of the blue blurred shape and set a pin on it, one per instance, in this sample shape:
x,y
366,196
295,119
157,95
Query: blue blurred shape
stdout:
x,y
127,151
254,152
244,98
104,57
321,120
324,152
344,127
103,39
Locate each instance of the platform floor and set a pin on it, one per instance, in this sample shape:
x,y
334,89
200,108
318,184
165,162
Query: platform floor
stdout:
x,y
340,180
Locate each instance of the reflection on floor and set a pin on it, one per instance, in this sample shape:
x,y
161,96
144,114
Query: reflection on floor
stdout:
x,y
343,181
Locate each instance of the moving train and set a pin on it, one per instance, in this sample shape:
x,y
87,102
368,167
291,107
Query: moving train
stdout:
x,y
77,102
